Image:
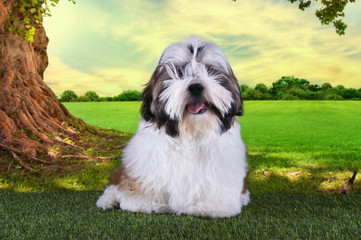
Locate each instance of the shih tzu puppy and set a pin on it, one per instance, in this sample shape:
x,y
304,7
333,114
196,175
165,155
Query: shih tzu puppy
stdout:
x,y
187,156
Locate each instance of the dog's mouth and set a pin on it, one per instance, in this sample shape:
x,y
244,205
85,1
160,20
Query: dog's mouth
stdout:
x,y
197,108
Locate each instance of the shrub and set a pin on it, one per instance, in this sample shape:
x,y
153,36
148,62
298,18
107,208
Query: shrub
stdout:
x,y
333,96
68,96
325,87
289,96
129,95
83,99
92,96
261,87
251,94
243,87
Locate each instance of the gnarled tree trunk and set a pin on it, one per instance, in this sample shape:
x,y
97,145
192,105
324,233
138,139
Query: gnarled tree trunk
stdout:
x,y
31,117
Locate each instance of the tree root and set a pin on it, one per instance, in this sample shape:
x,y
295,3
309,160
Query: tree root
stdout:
x,y
13,150
23,165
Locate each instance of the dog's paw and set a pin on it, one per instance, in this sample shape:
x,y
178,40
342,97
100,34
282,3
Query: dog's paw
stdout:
x,y
108,200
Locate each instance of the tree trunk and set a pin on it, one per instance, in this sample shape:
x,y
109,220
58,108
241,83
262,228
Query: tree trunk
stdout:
x,y
32,119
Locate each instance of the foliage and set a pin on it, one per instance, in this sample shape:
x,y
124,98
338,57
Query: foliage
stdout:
x,y
68,96
92,96
292,88
331,11
129,95
243,87
286,88
26,15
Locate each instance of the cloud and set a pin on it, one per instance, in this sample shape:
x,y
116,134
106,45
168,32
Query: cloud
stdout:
x,y
106,82
118,43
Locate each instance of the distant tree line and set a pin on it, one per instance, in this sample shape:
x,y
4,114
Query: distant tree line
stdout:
x,y
91,96
291,88
286,88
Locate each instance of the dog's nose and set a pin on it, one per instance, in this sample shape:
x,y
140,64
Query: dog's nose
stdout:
x,y
195,89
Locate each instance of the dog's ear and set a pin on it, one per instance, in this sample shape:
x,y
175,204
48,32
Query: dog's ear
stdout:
x,y
145,110
236,108
237,94
240,108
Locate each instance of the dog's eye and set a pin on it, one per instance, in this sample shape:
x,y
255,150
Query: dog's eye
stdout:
x,y
213,71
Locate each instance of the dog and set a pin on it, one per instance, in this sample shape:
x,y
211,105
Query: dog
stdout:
x,y
187,156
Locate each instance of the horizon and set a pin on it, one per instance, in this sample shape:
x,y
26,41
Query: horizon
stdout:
x,y
112,46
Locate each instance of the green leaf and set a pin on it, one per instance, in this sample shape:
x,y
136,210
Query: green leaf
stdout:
x,y
27,20
27,26
32,10
32,31
22,10
29,38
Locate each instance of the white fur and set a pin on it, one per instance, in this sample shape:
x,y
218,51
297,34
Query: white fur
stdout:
x,y
201,171
202,178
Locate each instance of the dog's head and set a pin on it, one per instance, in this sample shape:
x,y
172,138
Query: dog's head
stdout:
x,y
192,84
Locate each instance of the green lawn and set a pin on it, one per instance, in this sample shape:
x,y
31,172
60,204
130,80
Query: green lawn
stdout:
x,y
318,140
122,116
73,215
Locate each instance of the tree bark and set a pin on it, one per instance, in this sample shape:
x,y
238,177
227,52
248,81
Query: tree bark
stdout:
x,y
32,119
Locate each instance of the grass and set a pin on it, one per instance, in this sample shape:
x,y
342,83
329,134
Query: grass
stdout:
x,y
318,142
72,215
122,116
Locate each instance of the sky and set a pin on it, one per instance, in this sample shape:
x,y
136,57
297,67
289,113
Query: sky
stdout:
x,y
110,46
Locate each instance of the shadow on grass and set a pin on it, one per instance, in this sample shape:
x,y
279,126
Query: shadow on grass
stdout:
x,y
296,173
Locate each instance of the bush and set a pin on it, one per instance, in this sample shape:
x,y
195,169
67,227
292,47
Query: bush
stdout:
x,y
289,96
326,86
129,95
105,99
83,99
251,94
333,96
92,96
68,96
243,88
261,87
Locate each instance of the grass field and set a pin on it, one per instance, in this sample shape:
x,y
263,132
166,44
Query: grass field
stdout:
x,y
319,139
299,154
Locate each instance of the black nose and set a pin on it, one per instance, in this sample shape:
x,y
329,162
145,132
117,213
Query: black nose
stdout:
x,y
195,89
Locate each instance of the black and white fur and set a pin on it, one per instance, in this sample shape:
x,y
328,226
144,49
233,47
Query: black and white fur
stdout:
x,y
187,156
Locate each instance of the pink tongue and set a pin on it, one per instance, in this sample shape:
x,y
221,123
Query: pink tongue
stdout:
x,y
195,107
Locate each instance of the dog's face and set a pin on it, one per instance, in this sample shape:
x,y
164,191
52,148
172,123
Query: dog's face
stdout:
x,y
192,85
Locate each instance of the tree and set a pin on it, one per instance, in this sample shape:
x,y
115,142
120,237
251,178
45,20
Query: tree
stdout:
x,y
331,11
68,96
32,119
92,96
261,87
326,86
244,87
129,95
252,94
286,83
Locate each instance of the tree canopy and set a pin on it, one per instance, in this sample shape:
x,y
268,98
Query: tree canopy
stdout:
x,y
331,11
27,14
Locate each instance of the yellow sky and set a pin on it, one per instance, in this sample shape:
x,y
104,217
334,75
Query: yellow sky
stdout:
x,y
110,46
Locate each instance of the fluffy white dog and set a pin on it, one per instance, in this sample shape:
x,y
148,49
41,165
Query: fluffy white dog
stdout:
x,y
187,156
